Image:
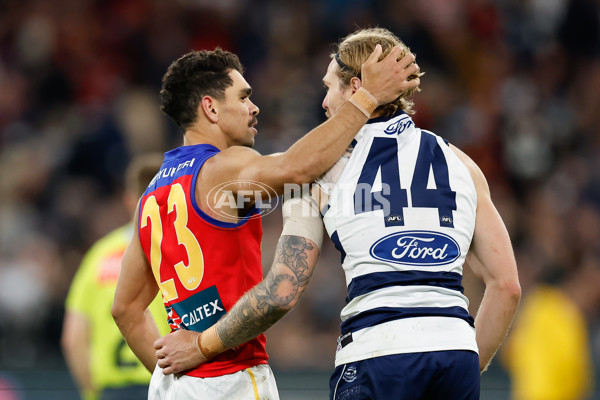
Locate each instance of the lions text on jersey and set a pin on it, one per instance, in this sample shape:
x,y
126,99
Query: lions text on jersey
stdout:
x,y
201,265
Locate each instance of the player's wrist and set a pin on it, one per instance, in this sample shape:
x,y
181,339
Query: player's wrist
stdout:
x,y
364,101
209,344
199,348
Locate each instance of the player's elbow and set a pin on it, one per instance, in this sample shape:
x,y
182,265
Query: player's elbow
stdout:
x,y
515,291
284,306
290,305
285,301
119,312
511,290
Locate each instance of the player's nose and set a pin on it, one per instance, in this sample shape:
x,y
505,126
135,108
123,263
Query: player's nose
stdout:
x,y
254,110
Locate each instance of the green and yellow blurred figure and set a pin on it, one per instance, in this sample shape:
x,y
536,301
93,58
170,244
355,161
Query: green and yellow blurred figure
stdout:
x,y
100,361
548,354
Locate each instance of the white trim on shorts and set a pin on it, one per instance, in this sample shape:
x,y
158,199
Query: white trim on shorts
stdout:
x,y
338,382
255,383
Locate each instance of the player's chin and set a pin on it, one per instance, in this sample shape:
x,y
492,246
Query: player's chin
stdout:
x,y
250,138
249,142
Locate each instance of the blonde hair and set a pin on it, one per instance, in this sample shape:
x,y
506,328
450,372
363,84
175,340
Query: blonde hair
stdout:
x,y
353,51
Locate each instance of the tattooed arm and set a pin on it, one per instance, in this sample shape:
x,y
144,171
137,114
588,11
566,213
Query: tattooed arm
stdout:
x,y
259,308
272,298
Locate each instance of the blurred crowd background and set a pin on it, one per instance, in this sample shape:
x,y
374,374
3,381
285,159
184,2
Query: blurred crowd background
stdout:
x,y
514,83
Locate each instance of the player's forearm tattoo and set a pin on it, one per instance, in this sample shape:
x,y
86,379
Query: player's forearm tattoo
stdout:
x,y
269,301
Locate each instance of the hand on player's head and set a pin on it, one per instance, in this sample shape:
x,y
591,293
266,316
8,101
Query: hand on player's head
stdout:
x,y
387,79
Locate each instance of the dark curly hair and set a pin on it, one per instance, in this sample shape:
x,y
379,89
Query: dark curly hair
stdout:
x,y
193,76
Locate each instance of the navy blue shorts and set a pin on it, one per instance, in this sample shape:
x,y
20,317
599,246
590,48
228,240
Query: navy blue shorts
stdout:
x,y
443,375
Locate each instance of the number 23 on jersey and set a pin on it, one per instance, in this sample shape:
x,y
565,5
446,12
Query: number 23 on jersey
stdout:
x,y
189,275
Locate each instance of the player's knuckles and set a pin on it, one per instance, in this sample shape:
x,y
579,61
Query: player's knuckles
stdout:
x,y
409,58
177,367
394,54
408,70
411,69
413,83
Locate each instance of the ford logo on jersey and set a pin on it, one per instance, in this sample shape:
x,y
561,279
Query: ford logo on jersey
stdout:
x,y
399,126
420,248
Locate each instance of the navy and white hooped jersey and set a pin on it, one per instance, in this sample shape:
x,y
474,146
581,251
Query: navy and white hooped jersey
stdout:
x,y
402,215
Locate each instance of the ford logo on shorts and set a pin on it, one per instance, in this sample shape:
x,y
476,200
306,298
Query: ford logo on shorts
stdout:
x,y
420,248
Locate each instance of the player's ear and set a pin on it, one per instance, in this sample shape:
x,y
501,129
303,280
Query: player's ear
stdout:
x,y
208,106
355,84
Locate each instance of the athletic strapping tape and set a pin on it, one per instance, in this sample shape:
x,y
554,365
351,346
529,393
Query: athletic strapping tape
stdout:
x,y
364,101
301,217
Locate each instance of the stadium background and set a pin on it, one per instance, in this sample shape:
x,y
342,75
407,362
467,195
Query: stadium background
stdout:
x,y
514,83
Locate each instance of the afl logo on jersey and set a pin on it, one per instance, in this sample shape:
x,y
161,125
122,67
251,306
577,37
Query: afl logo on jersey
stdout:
x,y
420,248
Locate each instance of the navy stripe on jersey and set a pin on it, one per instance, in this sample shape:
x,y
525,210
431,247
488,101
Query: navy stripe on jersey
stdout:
x,y
433,134
377,280
179,162
384,118
221,224
338,245
380,315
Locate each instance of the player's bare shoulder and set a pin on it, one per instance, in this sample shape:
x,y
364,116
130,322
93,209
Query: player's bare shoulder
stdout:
x,y
227,163
476,173
240,166
233,155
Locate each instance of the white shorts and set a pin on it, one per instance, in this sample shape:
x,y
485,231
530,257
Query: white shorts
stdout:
x,y
256,383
